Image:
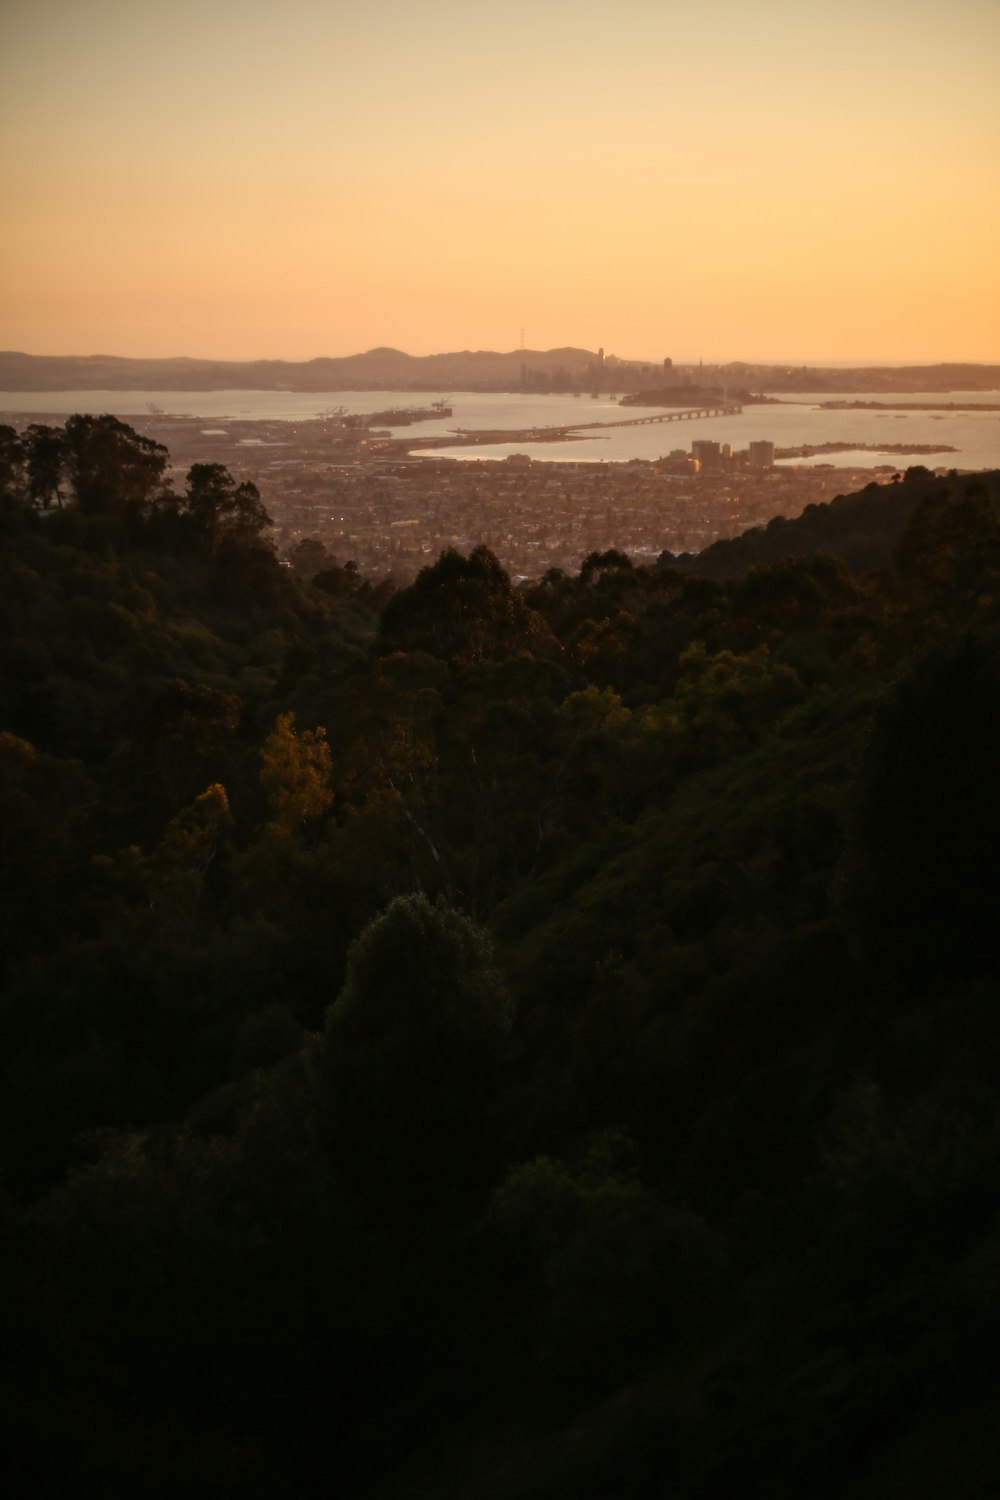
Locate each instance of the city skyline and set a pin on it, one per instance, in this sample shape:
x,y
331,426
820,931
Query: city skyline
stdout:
x,y
812,185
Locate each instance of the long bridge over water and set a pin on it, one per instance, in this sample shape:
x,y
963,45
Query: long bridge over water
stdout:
x,y
464,436
665,416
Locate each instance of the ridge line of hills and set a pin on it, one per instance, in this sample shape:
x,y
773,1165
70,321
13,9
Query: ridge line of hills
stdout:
x,y
374,368
388,368
862,528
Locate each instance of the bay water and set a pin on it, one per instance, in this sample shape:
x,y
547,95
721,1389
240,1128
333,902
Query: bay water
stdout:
x,y
975,435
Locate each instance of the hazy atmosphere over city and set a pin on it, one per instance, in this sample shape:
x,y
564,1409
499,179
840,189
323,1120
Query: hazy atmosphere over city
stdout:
x,y
804,181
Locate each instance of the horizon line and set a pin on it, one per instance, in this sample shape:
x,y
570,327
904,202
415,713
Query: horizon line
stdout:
x,y
790,363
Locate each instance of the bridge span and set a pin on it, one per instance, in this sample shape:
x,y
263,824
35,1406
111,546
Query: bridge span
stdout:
x,y
680,415
473,437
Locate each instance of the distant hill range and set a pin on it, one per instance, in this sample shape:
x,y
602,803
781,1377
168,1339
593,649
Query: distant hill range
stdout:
x,y
392,369
378,369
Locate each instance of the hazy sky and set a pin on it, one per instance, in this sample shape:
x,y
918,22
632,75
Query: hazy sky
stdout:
x,y
731,179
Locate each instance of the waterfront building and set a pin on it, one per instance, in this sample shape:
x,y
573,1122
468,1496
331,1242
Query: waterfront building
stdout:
x,y
761,455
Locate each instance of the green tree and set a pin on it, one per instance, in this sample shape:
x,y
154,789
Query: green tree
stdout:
x,y
295,774
463,609
336,580
601,1264
45,804
13,454
725,702
203,1267
222,510
111,466
948,561
163,890
410,1055
919,882
596,564
309,556
388,763
46,448
190,742
279,872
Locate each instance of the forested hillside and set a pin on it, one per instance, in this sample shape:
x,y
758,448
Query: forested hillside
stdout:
x,y
477,1041
863,530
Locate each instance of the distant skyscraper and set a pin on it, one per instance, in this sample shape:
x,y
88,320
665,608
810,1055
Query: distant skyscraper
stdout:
x,y
762,455
705,452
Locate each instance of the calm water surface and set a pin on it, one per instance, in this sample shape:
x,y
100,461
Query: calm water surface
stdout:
x,y
975,435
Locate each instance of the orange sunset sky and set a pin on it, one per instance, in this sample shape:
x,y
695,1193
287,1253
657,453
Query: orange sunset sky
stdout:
x,y
784,179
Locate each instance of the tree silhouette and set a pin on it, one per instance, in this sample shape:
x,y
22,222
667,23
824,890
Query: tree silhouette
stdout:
x,y
111,467
948,560
410,1053
461,608
920,882
46,456
13,454
222,510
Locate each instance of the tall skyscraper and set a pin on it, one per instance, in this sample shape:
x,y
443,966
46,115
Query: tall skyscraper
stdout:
x,y
762,455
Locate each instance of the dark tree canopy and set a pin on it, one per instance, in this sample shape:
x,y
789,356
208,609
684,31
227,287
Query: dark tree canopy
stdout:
x,y
546,1044
463,609
13,453
46,460
412,1044
309,556
222,510
949,556
922,874
110,466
